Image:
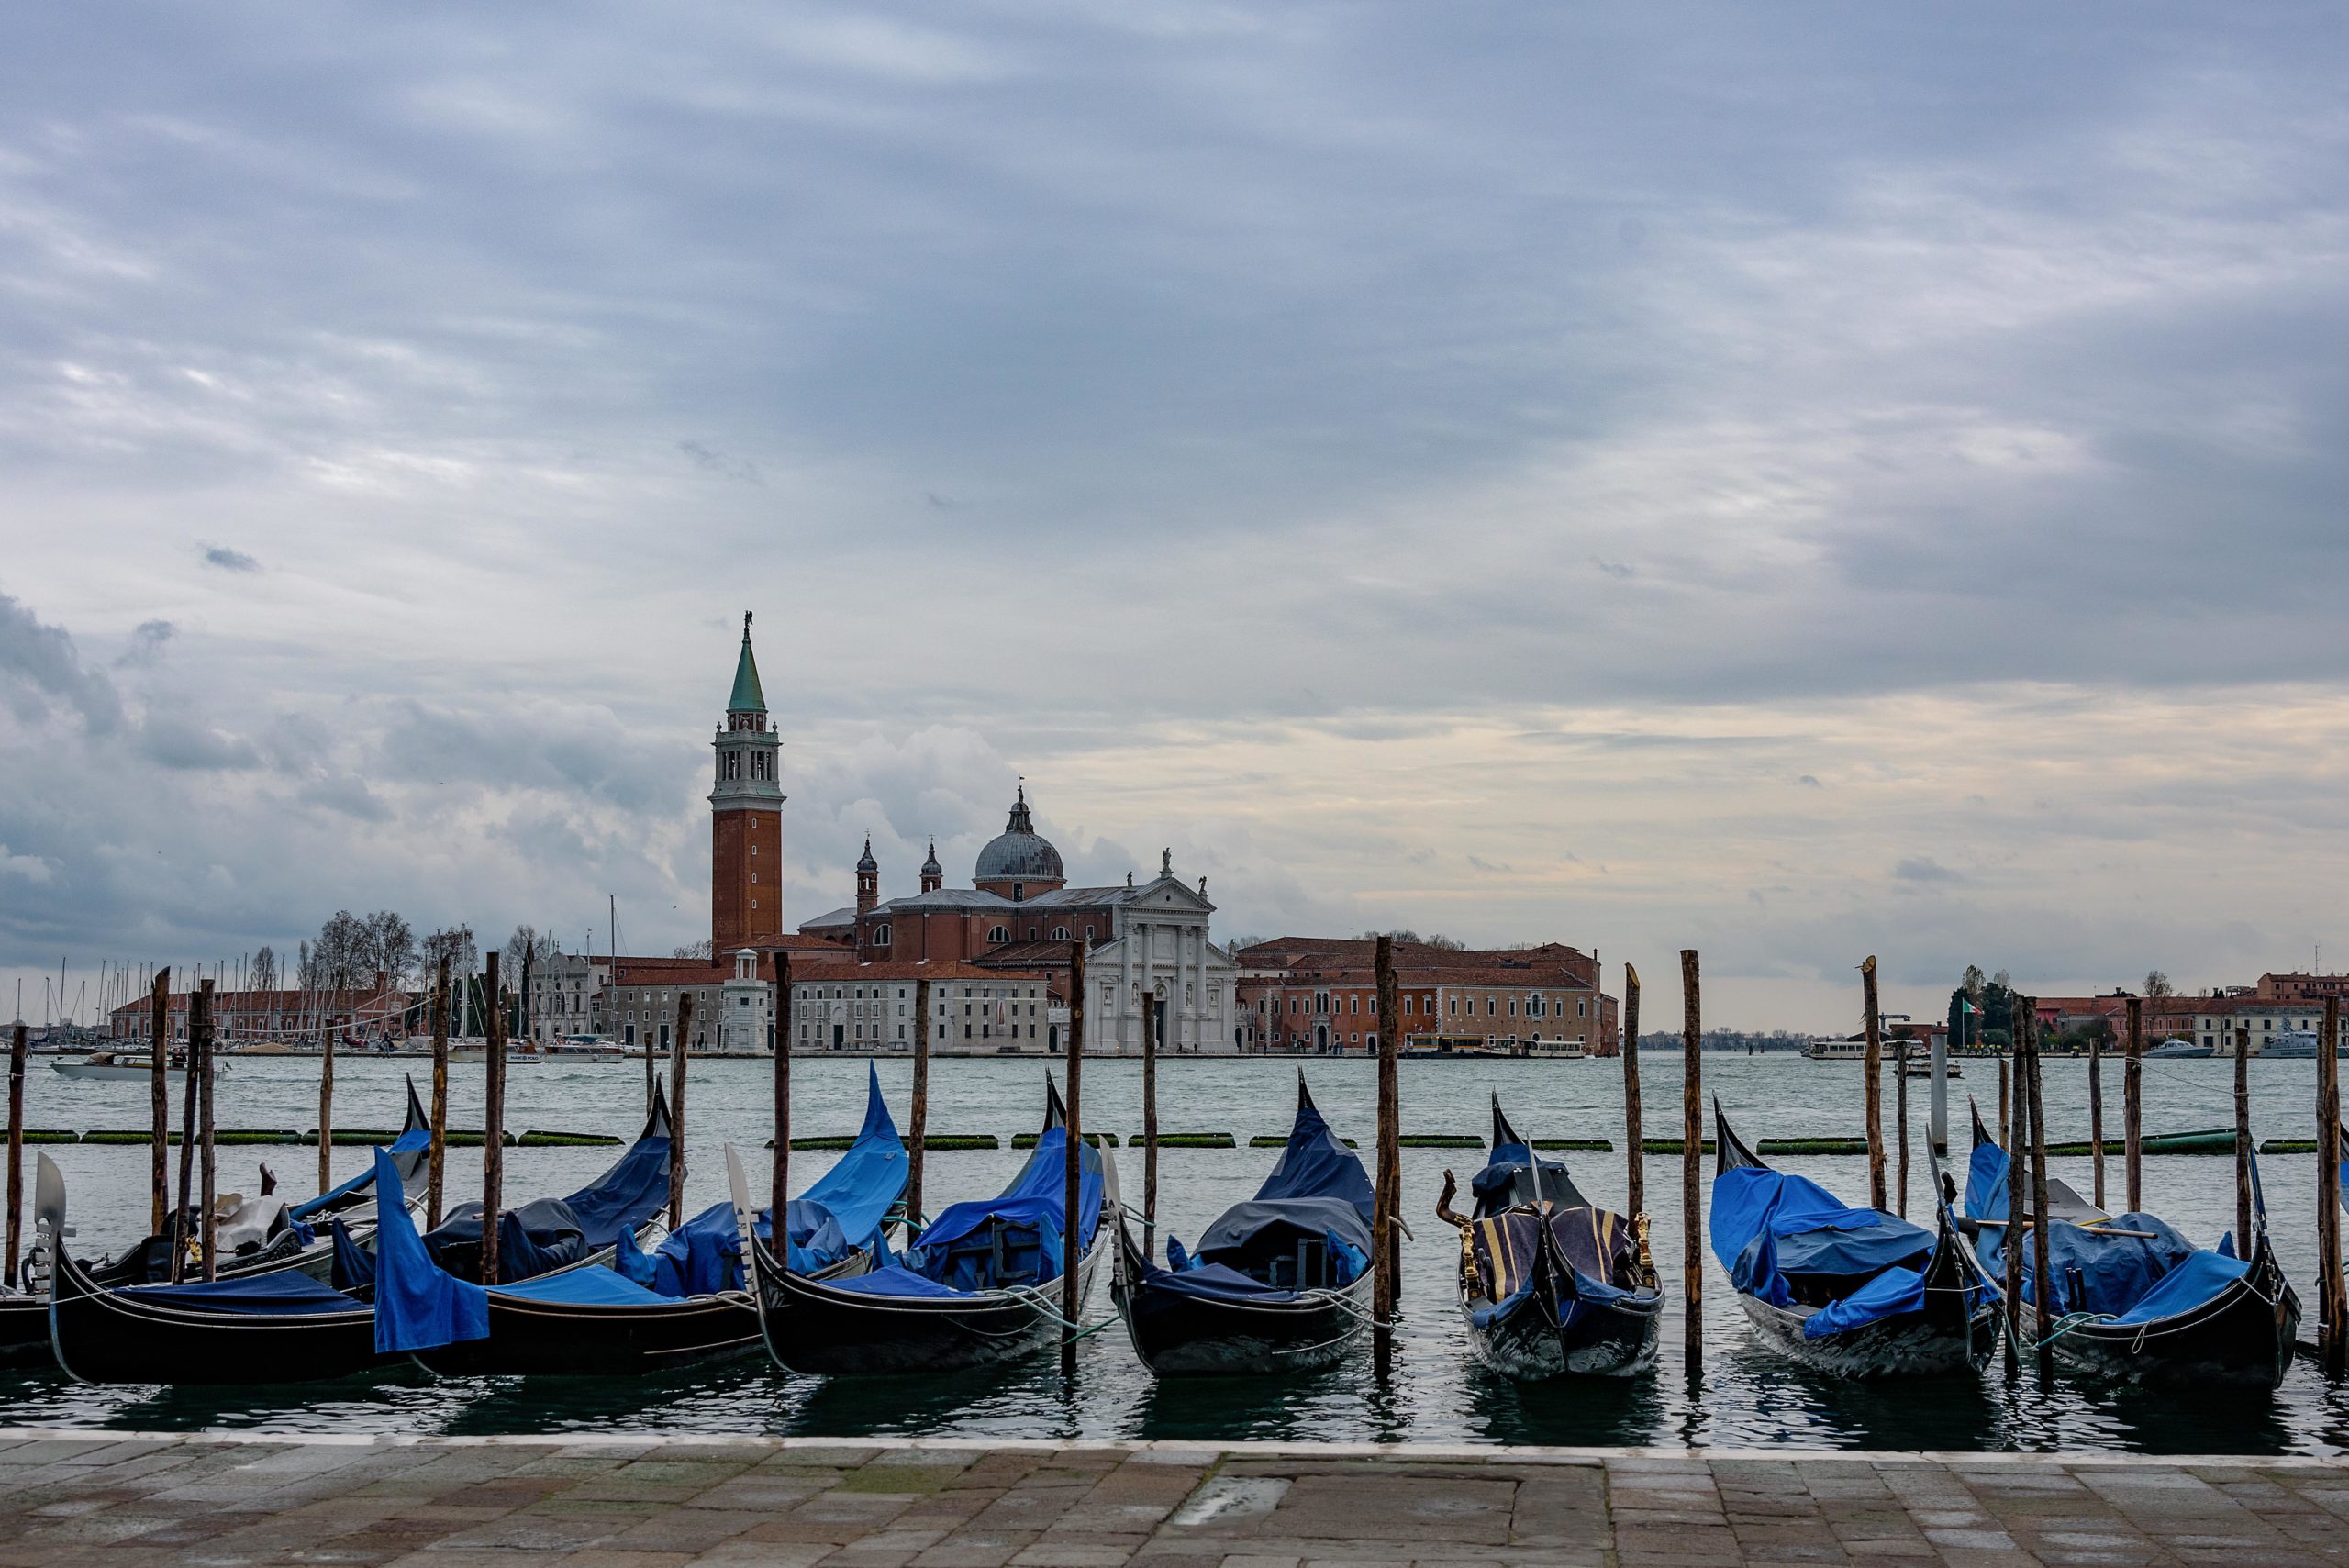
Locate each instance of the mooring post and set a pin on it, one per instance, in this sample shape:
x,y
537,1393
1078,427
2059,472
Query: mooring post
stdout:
x,y
2242,1140
917,1124
2095,1114
326,1105
1385,1250
1149,1125
19,1042
2042,1277
779,1183
2132,1105
159,1095
180,1240
678,1059
1874,1074
2006,1103
1073,1162
1635,1171
651,1068
436,1171
492,1118
1692,1145
210,1227
2332,1299
2018,1196
1901,1069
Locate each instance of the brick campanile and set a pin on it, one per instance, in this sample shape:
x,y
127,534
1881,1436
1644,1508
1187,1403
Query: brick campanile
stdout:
x,y
746,818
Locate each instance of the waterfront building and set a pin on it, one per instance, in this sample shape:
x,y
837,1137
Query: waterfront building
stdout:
x,y
294,1017
871,1006
1320,994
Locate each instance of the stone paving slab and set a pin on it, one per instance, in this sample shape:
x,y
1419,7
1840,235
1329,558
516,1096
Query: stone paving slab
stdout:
x,y
228,1500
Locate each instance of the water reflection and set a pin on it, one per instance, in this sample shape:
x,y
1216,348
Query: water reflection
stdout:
x,y
1598,1412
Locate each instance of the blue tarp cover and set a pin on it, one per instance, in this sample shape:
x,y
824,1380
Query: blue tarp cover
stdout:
x,y
2192,1282
896,1280
415,1140
280,1291
625,1196
589,1285
1317,1190
2115,1275
856,1194
1766,1224
1031,1204
1893,1292
1514,1176
418,1305
701,1257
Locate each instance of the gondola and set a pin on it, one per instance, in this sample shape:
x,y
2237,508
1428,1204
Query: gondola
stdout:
x,y
1855,1292
263,1236
685,1302
1280,1283
981,1286
1551,1284
2136,1302
287,1326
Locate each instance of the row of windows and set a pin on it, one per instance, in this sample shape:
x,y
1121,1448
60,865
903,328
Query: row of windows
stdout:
x,y
1322,1004
729,766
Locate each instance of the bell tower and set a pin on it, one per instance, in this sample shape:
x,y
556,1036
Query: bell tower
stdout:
x,y
746,818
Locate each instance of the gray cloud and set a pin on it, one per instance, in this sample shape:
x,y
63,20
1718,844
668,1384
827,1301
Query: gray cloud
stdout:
x,y
227,560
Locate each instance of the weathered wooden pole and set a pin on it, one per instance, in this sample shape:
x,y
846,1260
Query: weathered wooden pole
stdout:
x,y
2332,1297
651,1070
210,1229
779,1184
1901,1068
1692,1146
1150,1124
181,1239
1073,1164
1386,1253
2132,1106
19,1042
2043,1288
326,1106
159,1095
1635,1173
2242,1140
492,1118
918,1125
1873,1027
2095,1114
436,1171
678,1059
2018,1195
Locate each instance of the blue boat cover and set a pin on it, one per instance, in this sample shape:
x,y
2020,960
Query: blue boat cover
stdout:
x,y
855,1195
279,1291
354,1266
896,1280
1030,1211
415,1141
1318,1191
2113,1276
419,1303
701,1257
1766,1224
628,1194
1891,1293
590,1285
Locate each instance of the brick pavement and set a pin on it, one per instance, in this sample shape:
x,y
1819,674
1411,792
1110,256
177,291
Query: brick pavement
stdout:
x,y
219,1501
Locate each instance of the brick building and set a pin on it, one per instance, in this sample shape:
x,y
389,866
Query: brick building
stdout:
x,y
1320,994
301,1019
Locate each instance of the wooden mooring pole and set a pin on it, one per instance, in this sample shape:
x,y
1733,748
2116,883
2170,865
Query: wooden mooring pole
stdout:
x,y
1384,1249
436,1170
2018,1198
1692,1145
1874,1027
326,1108
2242,1140
2133,1107
1073,1163
1635,1171
1901,1068
2006,1103
19,1042
651,1068
918,1123
2333,1294
779,1182
1149,1125
180,1240
493,1117
2043,1291
200,1025
2095,1114
678,1056
159,1096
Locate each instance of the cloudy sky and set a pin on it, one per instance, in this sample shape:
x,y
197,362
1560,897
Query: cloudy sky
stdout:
x,y
1795,480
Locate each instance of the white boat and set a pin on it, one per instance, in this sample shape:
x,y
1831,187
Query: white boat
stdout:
x,y
1837,1051
108,1066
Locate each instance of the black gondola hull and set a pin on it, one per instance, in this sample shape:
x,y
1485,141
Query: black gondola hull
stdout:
x,y
24,1333
1954,1331
547,1338
1533,1344
1180,1335
2242,1337
103,1336
813,1328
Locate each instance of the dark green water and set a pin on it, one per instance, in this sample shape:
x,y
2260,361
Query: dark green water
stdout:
x,y
1745,1395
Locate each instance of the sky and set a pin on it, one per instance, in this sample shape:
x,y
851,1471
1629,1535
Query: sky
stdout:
x,y
1795,481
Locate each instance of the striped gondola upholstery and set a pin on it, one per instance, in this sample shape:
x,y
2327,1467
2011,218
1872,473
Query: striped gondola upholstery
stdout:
x,y
1498,1252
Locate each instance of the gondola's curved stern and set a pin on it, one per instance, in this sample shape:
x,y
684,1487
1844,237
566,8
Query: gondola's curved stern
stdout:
x,y
2242,1337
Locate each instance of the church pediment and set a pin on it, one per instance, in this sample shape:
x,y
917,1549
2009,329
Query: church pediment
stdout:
x,y
1169,893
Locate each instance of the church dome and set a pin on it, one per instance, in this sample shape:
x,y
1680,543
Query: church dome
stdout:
x,y
1019,852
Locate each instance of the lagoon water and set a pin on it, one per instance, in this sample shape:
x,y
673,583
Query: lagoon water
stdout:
x,y
1743,1395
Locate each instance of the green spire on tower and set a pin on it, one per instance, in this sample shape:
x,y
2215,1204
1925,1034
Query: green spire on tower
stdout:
x,y
747,697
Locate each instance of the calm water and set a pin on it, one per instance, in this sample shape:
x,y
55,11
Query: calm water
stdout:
x,y
1745,1394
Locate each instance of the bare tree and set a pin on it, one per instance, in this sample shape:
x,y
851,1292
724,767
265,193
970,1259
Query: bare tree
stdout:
x,y
2157,984
340,954
526,945
702,949
388,947
264,971
455,943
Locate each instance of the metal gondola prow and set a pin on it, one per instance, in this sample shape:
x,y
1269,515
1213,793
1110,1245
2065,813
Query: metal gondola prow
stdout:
x,y
1055,1112
1502,1131
1729,1152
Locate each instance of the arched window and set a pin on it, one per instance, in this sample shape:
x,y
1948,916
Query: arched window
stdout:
x,y
1059,933
998,934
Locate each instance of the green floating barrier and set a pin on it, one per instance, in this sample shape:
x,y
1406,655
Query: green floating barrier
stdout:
x,y
1439,1140
534,1139
798,1143
55,1135
117,1135
1196,1140
354,1137
2279,1145
466,1139
1588,1145
1270,1140
950,1141
256,1135
1812,1146
1029,1139
1669,1145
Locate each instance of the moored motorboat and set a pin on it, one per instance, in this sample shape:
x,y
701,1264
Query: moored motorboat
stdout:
x,y
127,1066
1279,1284
1855,1292
1551,1284
2133,1300
981,1287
